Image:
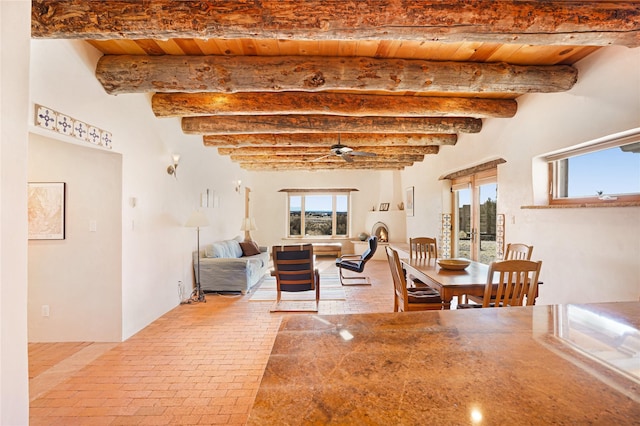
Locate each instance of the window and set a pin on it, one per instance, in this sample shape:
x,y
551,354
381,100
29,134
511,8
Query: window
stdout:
x,y
475,203
318,214
602,172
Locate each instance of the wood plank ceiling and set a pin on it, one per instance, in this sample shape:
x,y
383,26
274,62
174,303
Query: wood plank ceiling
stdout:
x,y
274,84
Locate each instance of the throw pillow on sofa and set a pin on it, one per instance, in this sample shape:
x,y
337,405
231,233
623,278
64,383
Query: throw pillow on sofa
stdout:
x,y
232,248
215,250
249,248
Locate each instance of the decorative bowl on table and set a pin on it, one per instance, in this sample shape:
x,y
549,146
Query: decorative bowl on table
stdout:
x,y
455,264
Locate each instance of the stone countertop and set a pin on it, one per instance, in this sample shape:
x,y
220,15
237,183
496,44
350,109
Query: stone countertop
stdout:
x,y
575,364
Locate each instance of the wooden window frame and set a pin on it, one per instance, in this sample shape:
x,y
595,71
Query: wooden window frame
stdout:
x,y
611,141
310,192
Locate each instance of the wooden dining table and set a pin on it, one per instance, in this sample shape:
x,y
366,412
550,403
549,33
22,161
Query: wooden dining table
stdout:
x,y
450,283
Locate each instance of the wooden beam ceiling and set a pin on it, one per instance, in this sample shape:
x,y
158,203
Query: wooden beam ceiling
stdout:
x,y
276,84
309,165
328,139
231,74
593,23
306,157
319,150
274,124
346,104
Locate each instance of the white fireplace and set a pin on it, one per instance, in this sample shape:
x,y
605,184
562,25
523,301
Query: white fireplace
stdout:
x,y
392,223
395,222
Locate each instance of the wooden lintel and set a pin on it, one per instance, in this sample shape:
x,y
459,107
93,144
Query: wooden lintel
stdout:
x,y
259,124
475,169
354,105
324,139
593,23
230,74
286,151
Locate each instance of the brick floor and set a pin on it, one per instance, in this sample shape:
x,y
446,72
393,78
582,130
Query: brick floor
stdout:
x,y
199,364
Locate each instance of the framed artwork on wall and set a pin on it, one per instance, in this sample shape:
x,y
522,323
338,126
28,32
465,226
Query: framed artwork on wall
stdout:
x,y
46,210
409,201
384,207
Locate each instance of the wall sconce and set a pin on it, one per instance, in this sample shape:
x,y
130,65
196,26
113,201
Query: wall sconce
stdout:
x,y
238,185
173,168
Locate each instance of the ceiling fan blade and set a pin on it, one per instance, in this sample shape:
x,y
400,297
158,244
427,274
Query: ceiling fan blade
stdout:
x,y
347,158
321,158
363,154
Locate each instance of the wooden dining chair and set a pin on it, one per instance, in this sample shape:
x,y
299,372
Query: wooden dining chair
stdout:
x,y
421,248
517,282
405,299
295,271
514,251
518,251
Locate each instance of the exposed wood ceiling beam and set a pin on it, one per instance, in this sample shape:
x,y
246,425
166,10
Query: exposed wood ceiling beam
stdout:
x,y
380,150
448,64
353,105
550,22
230,74
242,124
272,158
327,139
306,165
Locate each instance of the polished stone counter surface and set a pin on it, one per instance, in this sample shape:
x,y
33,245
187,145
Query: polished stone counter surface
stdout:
x,y
565,364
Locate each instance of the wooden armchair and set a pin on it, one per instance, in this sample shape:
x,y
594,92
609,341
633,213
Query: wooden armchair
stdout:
x,y
405,300
518,251
514,251
422,248
517,280
295,271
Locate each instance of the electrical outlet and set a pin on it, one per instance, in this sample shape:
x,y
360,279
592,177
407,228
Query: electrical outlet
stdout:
x,y
45,310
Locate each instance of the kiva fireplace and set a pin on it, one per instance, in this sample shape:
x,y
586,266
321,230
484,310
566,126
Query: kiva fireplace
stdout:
x,y
381,231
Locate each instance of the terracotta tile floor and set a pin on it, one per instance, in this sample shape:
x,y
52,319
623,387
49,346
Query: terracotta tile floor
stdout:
x,y
200,364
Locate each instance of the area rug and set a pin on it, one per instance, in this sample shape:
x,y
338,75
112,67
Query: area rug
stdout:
x,y
330,289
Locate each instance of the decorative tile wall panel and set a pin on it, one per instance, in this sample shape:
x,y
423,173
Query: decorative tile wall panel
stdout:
x,y
445,237
45,117
64,125
94,135
80,130
50,119
500,236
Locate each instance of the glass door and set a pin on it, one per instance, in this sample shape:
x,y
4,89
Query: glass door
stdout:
x,y
463,224
475,198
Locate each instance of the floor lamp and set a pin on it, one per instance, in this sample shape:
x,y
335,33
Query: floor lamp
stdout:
x,y
248,225
198,220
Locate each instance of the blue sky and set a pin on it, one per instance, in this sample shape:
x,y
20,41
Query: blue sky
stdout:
x,y
318,203
486,192
612,171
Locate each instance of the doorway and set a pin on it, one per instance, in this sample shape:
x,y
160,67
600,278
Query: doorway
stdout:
x,y
474,210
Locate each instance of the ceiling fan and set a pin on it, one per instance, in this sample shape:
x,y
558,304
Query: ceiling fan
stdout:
x,y
345,152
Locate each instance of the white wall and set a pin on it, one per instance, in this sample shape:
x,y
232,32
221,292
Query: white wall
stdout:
x,y
80,277
156,247
588,254
14,71
269,207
